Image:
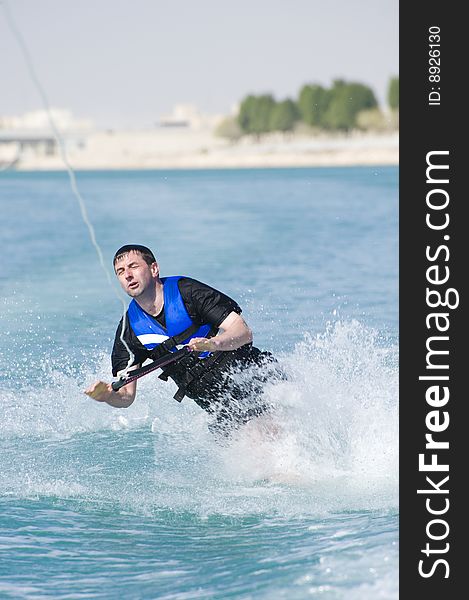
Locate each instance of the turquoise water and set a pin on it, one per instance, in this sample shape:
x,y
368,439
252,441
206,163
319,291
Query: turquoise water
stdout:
x,y
142,503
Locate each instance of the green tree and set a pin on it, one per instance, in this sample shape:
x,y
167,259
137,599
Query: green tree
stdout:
x,y
255,114
347,100
313,101
283,116
246,112
393,93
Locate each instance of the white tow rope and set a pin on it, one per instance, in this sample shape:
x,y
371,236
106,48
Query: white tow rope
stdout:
x,y
63,155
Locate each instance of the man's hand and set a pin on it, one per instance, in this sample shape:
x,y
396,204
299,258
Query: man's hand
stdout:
x,y
202,345
103,392
100,391
234,334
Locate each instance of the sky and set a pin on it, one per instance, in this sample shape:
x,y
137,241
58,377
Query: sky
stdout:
x,y
125,63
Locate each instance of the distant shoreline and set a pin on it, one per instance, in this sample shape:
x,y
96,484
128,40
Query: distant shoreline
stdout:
x,y
178,150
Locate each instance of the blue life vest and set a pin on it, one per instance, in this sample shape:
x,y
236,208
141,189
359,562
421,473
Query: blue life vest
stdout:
x,y
147,329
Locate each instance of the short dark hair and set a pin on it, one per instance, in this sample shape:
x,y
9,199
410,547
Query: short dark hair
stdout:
x,y
145,252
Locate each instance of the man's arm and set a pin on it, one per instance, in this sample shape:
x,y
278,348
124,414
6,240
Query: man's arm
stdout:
x,y
103,392
234,334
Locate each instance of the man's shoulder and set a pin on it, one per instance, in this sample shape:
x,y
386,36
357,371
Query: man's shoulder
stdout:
x,y
181,280
186,280
190,285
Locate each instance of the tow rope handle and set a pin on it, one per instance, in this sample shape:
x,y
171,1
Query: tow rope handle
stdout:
x,y
156,364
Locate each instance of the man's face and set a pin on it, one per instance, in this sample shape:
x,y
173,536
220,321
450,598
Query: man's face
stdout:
x,y
134,275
